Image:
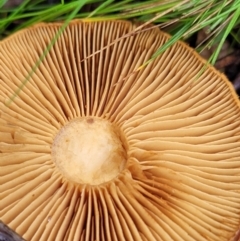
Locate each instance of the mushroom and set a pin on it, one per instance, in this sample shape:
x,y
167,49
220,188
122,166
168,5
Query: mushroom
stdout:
x,y
91,149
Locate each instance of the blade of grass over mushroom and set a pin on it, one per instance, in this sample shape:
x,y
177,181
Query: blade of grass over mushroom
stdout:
x,y
137,29
53,41
189,28
169,43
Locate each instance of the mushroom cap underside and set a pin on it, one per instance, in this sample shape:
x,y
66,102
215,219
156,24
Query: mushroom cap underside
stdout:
x,y
176,137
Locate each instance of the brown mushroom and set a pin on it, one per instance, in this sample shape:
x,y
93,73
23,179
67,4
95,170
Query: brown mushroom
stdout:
x,y
89,151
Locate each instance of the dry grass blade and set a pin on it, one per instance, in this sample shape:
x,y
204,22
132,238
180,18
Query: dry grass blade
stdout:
x,y
138,29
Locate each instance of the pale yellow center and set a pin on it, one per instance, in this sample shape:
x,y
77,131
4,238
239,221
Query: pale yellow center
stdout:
x,y
89,151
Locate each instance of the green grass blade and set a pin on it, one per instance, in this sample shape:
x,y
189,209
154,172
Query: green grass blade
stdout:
x,y
229,28
102,6
14,13
2,3
169,43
